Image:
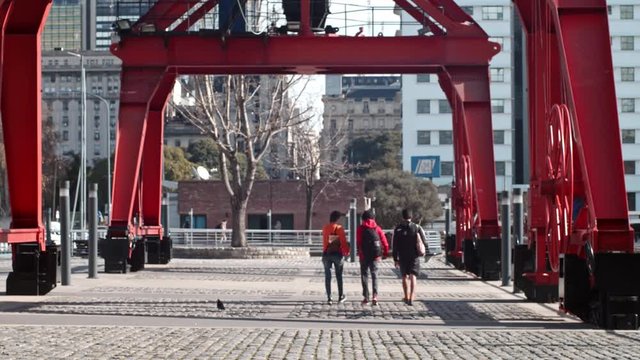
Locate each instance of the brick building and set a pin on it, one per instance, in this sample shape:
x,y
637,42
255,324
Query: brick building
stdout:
x,y
209,202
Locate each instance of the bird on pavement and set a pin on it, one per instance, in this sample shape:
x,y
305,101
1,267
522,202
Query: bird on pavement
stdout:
x,y
220,305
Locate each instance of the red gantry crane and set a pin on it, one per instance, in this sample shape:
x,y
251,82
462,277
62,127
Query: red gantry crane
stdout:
x,y
578,213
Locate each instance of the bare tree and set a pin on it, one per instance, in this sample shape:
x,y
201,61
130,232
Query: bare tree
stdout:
x,y
315,164
241,114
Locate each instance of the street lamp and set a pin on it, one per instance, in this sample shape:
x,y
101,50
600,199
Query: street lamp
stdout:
x,y
83,140
107,104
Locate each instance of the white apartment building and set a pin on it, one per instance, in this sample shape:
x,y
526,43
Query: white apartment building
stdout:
x,y
426,114
427,125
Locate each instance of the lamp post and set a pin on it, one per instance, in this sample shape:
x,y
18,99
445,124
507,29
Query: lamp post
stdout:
x,y
107,104
83,139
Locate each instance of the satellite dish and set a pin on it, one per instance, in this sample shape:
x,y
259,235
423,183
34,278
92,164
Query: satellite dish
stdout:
x,y
203,173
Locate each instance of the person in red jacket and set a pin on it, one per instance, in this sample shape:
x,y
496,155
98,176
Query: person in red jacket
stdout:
x,y
334,248
372,246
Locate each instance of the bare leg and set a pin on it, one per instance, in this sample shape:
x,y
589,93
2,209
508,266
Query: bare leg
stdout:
x,y
412,292
405,287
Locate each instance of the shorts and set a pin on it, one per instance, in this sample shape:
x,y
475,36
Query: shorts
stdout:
x,y
410,267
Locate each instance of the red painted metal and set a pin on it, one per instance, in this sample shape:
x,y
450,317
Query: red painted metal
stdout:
x,y
464,55
153,156
137,89
21,117
574,131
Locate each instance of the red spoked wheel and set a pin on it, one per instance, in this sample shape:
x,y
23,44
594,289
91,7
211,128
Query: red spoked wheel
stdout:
x,y
559,182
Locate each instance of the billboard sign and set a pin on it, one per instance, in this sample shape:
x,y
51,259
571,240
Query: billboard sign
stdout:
x,y
425,166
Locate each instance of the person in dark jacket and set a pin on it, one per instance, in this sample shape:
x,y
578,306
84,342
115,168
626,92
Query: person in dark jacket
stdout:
x,y
405,254
372,246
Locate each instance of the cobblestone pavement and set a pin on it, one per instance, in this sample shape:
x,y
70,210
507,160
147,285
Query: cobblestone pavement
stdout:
x,y
276,309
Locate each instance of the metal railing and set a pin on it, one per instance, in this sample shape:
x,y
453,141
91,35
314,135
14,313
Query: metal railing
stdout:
x,y
255,238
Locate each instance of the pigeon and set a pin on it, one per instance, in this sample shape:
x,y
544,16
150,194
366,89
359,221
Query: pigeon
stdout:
x,y
220,305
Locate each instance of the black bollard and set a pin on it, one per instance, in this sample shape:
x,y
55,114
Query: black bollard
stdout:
x,y
65,238
93,231
506,239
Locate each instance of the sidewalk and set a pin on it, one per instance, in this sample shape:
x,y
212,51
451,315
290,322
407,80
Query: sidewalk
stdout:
x,y
276,309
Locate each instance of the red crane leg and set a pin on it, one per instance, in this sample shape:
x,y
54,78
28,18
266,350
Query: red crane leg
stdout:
x,y
138,87
608,292
20,109
152,176
471,86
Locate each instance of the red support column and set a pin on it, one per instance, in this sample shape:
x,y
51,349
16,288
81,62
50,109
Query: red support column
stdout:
x,y
138,87
21,116
152,167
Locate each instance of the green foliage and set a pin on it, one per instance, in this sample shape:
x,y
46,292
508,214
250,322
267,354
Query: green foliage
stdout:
x,y
204,152
395,190
176,165
375,152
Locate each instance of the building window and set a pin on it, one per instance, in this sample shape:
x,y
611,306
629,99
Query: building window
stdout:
x,y
96,105
445,137
446,168
65,135
609,10
424,137
467,9
498,136
424,106
365,107
177,143
627,105
626,12
350,124
334,124
492,13
444,107
626,43
497,106
501,168
65,121
631,199
65,106
497,74
628,74
629,136
423,78
96,135
630,167
96,150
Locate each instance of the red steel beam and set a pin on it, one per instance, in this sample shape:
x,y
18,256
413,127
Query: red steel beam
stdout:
x,y
21,117
138,88
153,156
454,28
195,16
305,55
420,16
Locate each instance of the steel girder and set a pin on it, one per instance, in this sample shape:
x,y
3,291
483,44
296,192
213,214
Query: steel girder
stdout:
x,y
580,241
461,57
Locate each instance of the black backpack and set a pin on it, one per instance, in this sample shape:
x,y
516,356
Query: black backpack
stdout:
x,y
404,239
371,247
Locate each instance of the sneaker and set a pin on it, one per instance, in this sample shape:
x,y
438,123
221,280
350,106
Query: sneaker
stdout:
x,y
365,302
342,299
374,302
405,301
409,302
329,302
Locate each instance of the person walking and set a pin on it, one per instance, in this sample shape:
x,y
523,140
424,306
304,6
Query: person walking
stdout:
x,y
334,248
407,253
372,246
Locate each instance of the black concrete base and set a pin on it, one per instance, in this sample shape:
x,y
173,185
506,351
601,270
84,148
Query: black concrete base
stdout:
x,y
618,287
34,272
159,251
488,259
138,255
469,256
115,252
523,262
